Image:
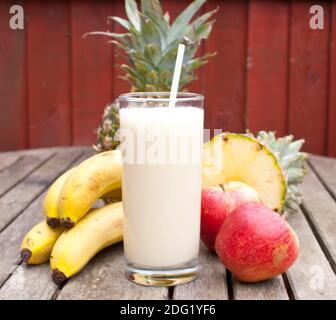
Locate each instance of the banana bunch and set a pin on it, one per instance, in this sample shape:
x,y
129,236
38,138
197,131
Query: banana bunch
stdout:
x,y
72,232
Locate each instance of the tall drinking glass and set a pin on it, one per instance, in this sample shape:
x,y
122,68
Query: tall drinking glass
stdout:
x,y
161,191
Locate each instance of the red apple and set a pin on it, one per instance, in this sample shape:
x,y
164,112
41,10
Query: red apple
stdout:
x,y
255,243
217,203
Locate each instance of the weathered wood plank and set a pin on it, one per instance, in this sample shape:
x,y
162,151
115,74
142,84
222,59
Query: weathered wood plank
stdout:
x,y
321,210
103,278
6,160
38,151
29,283
10,240
9,158
14,201
211,282
20,170
311,276
326,170
273,289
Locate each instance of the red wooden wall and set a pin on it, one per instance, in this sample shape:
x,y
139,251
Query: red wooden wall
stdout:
x,y
272,71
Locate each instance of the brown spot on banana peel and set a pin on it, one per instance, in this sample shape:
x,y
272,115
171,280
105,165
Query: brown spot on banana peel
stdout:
x,y
94,185
26,255
58,276
53,222
67,223
29,242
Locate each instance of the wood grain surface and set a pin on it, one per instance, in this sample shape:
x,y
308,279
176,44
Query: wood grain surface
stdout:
x,y
311,277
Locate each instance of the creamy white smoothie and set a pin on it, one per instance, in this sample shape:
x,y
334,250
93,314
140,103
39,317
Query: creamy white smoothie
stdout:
x,y
162,188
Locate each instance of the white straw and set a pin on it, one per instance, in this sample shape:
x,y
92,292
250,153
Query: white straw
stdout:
x,y
177,74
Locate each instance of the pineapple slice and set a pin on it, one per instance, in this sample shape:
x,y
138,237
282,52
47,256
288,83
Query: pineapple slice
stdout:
x,y
238,157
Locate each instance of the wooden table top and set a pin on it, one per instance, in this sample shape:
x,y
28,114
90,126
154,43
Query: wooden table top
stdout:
x,y
26,175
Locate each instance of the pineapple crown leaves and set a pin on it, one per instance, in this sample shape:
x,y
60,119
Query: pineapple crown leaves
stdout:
x,y
292,161
150,43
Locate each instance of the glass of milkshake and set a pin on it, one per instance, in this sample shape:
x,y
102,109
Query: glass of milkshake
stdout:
x,y
161,189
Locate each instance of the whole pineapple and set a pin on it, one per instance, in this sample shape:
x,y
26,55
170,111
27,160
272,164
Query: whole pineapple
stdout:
x,y
150,43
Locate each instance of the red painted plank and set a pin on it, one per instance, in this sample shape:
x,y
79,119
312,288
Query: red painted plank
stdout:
x,y
174,7
309,77
48,72
92,61
120,85
13,126
267,66
332,88
225,74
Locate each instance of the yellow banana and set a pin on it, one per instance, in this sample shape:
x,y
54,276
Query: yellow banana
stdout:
x,y
92,179
51,199
99,229
38,243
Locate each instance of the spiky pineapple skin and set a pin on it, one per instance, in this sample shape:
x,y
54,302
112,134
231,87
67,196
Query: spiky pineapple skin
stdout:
x,y
106,133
